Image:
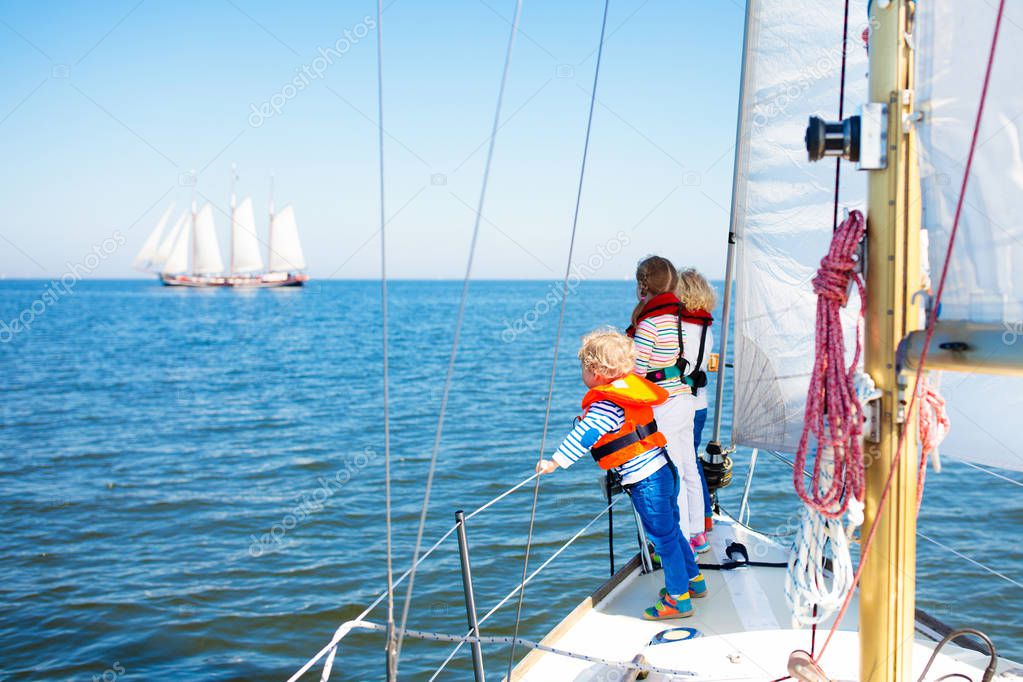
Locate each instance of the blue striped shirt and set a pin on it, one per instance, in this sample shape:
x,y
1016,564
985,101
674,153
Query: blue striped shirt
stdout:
x,y
601,418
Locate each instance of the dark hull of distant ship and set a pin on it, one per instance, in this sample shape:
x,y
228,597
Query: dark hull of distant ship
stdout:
x,y
273,279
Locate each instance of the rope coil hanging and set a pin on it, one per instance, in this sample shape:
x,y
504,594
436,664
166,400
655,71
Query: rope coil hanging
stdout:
x,y
834,415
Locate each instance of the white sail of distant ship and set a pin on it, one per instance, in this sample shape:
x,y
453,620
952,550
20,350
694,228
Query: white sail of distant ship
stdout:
x,y
245,256
206,258
163,251
285,249
189,253
147,256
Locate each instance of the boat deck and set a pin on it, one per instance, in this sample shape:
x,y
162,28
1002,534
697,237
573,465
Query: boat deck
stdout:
x,y
743,628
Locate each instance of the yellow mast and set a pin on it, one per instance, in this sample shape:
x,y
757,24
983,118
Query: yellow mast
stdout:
x,y
888,586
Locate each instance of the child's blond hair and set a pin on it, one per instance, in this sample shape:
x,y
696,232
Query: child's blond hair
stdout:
x,y
608,353
695,291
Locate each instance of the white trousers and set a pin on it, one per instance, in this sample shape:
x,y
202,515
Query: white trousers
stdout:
x,y
675,420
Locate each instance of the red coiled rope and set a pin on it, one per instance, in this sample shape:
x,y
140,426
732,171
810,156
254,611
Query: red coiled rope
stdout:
x,y
832,392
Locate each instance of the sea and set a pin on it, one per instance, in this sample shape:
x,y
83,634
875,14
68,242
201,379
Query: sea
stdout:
x,y
192,481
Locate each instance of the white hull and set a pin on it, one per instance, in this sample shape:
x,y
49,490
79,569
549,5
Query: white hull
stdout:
x,y
744,627
274,279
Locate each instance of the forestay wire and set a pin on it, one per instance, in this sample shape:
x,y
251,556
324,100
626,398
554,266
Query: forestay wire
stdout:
x,y
458,328
557,337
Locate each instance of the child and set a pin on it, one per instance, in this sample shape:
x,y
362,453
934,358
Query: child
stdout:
x,y
699,298
658,337
617,428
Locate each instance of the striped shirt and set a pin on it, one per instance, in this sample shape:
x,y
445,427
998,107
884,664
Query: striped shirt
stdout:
x,y
601,418
656,344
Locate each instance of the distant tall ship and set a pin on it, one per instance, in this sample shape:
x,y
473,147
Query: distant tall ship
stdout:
x,y
189,254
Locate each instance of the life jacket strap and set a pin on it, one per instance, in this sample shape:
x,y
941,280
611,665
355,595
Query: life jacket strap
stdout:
x,y
664,373
611,447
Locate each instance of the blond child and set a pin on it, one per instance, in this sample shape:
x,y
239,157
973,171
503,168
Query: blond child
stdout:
x,y
618,430
699,300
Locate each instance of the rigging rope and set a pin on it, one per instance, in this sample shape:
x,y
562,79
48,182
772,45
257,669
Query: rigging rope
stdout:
x,y
392,658
929,336
841,112
832,389
561,324
458,323
933,425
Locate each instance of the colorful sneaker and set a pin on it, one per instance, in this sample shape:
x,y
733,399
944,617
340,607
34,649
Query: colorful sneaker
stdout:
x,y
697,588
699,543
708,524
668,607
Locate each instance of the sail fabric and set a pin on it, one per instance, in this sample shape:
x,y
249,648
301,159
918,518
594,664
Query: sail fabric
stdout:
x,y
176,260
285,248
147,253
245,255
784,204
953,41
206,257
163,251
983,410
984,283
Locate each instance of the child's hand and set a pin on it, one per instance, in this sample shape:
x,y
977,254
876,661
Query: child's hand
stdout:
x,y
547,466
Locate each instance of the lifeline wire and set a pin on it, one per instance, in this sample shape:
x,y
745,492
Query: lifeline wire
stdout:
x,y
458,325
338,635
518,588
561,325
929,336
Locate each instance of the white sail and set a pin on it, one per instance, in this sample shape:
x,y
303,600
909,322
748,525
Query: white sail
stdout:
x,y
176,259
167,243
245,255
206,256
784,207
146,255
984,281
285,248
984,284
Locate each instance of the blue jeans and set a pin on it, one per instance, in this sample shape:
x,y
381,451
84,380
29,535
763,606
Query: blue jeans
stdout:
x,y
698,421
655,499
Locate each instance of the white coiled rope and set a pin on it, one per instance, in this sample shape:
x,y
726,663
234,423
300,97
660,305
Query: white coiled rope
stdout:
x,y
814,593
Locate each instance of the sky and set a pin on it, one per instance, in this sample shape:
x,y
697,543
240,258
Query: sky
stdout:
x,y
107,108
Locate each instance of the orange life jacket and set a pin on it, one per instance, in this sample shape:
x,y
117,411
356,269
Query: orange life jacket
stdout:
x,y
636,396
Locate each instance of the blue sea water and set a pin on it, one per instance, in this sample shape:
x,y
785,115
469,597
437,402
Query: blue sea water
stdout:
x,y
192,480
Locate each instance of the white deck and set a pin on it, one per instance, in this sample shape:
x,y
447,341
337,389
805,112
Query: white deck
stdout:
x,y
744,625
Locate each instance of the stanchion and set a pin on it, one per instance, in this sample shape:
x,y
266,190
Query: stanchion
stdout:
x,y
470,597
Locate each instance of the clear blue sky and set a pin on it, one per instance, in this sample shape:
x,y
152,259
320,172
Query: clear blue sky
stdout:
x,y
105,106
